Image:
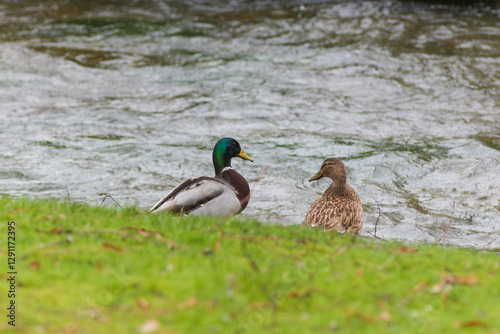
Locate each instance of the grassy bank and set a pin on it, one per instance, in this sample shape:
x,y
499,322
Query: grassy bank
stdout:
x,y
84,269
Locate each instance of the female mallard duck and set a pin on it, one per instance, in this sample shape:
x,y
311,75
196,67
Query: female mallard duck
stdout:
x,y
225,194
339,208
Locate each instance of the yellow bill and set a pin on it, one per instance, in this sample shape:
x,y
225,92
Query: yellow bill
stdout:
x,y
317,176
243,155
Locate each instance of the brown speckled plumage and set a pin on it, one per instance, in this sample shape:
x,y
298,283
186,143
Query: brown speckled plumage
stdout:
x,y
339,208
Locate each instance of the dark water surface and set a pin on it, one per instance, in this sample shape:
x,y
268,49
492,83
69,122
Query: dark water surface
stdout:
x,y
129,97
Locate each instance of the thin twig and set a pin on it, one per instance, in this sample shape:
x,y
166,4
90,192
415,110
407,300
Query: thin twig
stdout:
x,y
373,235
376,223
109,196
489,243
379,212
420,236
449,222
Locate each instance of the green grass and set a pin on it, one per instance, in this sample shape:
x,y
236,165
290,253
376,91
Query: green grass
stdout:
x,y
84,269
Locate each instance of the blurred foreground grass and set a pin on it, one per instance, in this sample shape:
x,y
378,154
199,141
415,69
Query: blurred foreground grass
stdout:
x,y
84,269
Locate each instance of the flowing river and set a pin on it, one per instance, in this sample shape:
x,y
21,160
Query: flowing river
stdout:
x,y
128,98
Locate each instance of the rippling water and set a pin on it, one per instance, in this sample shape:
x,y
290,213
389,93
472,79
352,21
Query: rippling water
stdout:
x,y
128,98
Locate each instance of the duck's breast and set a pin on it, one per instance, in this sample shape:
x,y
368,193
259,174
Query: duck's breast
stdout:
x,y
239,185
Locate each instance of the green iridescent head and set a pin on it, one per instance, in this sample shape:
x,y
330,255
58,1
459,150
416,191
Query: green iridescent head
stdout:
x,y
224,151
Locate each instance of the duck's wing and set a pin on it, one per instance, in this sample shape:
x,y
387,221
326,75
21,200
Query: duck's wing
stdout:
x,y
195,195
226,204
335,214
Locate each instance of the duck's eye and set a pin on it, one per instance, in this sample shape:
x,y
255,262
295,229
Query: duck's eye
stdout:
x,y
235,149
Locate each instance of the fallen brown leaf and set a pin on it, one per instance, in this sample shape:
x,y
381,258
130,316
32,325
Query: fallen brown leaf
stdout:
x,y
35,265
359,272
299,294
259,305
382,304
471,323
144,232
420,287
151,233
406,249
55,230
450,280
172,245
142,303
217,246
384,316
341,250
193,301
364,317
466,279
111,246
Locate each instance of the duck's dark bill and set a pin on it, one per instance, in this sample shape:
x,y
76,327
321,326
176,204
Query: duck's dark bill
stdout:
x,y
243,155
317,176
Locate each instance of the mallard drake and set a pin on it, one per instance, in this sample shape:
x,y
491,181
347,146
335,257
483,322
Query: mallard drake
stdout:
x,y
339,208
225,194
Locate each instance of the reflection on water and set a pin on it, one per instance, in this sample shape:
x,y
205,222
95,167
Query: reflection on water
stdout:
x,y
129,98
